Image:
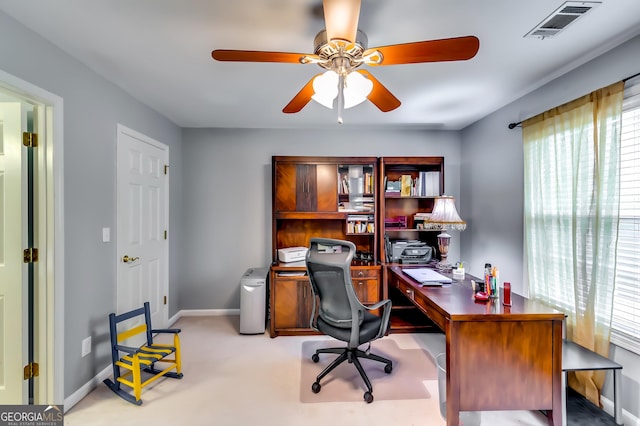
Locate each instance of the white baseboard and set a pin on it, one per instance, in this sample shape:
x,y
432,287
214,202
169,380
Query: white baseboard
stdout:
x,y
628,419
85,389
202,313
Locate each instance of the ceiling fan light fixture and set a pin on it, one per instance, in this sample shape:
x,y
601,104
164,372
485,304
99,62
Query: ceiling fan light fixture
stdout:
x,y
325,87
356,89
341,18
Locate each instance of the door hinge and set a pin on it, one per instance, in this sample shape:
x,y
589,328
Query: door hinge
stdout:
x,y
31,370
30,255
165,234
166,169
30,139
165,300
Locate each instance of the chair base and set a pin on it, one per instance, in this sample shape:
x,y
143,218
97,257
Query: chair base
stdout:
x,y
350,355
117,389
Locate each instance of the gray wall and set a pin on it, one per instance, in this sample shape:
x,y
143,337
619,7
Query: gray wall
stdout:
x,y
92,109
228,202
492,199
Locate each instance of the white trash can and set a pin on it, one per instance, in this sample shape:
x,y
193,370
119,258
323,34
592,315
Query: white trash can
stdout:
x,y
467,418
253,301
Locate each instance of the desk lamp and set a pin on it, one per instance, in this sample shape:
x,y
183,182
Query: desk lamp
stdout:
x,y
445,216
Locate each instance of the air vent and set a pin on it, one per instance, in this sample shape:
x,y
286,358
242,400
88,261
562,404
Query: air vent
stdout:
x,y
561,18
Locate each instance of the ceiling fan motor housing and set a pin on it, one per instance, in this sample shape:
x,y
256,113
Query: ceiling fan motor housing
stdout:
x,y
329,51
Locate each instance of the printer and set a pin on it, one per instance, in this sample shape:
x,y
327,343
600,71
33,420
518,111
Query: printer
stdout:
x,y
292,254
410,251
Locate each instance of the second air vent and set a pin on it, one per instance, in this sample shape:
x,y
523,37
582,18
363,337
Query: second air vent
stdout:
x,y
561,18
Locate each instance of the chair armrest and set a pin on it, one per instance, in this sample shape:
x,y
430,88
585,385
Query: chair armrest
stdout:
x,y
379,305
386,314
127,349
167,330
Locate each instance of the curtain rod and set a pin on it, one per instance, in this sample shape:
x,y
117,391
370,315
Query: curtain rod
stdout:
x,y
514,125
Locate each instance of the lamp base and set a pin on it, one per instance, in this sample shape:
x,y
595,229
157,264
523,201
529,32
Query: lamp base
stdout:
x,y
443,246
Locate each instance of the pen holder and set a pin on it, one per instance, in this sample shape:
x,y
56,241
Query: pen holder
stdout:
x,y
458,273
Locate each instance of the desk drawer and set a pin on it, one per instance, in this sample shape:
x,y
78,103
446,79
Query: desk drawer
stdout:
x,y
432,313
405,289
364,273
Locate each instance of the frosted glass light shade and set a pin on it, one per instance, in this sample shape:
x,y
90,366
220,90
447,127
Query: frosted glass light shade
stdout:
x,y
356,89
325,87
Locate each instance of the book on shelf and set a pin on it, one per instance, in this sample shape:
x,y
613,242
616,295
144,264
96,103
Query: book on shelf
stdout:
x,y
344,184
406,184
428,184
392,186
360,217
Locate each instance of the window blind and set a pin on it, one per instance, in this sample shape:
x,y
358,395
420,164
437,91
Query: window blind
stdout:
x,y
625,323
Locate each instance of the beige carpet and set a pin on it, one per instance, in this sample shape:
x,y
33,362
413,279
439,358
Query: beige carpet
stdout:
x,y
411,368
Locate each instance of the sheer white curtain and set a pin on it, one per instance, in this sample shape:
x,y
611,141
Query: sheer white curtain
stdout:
x,y
571,166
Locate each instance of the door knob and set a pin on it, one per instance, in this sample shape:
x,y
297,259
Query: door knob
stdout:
x,y
127,259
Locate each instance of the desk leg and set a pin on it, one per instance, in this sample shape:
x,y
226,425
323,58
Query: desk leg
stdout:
x,y
453,379
617,384
564,398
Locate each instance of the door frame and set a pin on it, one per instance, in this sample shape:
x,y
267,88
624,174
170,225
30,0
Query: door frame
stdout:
x,y
50,267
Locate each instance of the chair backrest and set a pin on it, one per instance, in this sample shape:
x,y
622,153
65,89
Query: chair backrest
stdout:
x,y
329,268
118,336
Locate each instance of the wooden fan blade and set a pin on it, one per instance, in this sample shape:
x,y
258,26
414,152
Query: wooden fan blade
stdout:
x,y
300,100
341,19
380,96
257,56
448,49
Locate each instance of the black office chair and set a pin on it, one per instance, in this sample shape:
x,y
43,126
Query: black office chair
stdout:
x,y
338,312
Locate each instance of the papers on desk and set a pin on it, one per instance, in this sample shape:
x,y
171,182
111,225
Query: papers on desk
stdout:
x,y
426,276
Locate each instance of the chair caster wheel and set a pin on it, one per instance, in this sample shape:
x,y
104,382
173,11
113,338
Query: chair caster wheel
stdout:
x,y
315,358
368,397
315,387
388,368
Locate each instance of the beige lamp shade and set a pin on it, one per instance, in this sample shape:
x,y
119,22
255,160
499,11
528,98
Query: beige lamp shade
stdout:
x,y
444,215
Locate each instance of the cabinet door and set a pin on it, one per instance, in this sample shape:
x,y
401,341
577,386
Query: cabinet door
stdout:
x,y
367,290
285,188
326,187
293,303
306,188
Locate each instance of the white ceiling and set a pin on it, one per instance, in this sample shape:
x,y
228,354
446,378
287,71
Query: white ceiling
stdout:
x,y
159,51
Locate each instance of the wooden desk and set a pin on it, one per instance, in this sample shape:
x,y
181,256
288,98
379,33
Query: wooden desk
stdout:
x,y
498,357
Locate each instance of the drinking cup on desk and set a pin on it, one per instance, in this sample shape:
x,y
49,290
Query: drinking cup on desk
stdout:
x,y
506,296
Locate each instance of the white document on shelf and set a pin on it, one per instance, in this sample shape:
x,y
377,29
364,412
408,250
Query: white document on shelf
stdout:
x,y
427,276
292,274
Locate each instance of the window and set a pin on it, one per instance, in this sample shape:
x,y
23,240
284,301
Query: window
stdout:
x,y
625,323
572,171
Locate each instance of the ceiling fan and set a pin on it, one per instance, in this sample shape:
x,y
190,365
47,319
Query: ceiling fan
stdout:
x,y
341,48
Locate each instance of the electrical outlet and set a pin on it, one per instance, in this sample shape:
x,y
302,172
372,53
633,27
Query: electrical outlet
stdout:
x,y
86,346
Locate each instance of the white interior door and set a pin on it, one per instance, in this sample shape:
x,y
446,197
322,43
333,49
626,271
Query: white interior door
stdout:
x,y
142,224
12,270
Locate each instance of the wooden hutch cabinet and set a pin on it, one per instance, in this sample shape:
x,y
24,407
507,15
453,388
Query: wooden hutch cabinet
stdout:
x,y
373,202
408,188
330,197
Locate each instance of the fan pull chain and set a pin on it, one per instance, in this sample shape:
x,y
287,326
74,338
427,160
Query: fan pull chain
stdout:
x,y
340,97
